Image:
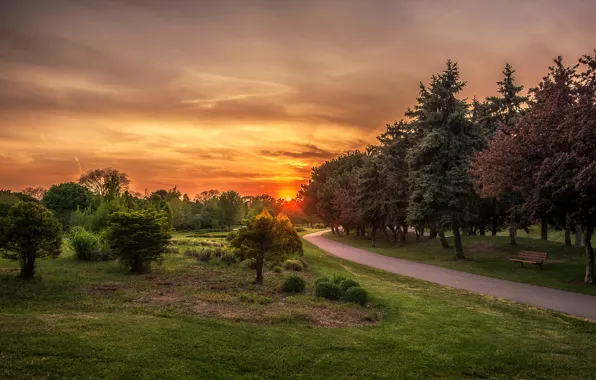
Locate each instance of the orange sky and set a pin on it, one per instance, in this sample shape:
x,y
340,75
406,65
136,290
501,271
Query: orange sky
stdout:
x,y
246,94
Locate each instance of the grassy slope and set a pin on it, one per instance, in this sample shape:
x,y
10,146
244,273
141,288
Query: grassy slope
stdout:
x,y
489,256
57,328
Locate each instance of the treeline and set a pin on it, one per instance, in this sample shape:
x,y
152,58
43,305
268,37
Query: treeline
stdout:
x,y
506,162
99,193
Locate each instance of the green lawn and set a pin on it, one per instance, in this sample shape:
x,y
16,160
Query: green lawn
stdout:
x,y
86,321
489,256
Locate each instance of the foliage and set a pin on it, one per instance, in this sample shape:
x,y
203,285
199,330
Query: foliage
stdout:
x,y
34,192
277,269
322,279
328,290
31,232
232,206
88,246
357,295
249,264
65,198
294,284
293,265
105,183
228,258
338,278
264,238
349,283
138,238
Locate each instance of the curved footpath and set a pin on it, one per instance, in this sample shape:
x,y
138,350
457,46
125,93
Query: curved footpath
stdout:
x,y
581,305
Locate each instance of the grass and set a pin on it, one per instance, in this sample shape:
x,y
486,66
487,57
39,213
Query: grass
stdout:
x,y
489,256
88,320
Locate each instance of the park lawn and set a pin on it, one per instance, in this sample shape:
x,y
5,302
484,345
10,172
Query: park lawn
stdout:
x,y
489,256
70,324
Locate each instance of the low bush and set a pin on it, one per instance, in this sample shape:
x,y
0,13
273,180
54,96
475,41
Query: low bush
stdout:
x,y
249,264
293,265
338,278
277,269
227,258
322,279
328,290
192,252
294,284
357,295
87,246
171,249
347,284
300,229
205,256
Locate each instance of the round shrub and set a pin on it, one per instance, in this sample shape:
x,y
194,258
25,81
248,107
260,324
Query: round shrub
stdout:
x,y
294,265
249,264
205,256
294,284
357,295
322,279
338,278
277,269
328,290
347,284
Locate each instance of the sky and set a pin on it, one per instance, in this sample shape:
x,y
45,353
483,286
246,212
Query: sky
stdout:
x,y
244,94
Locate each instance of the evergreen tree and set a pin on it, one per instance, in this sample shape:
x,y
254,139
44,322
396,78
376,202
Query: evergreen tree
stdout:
x,y
440,182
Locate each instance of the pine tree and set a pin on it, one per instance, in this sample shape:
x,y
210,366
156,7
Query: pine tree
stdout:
x,y
441,185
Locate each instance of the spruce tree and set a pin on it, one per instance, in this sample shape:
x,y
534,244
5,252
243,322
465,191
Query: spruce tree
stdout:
x,y
441,186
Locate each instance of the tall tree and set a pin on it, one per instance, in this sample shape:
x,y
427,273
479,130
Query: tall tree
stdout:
x,y
108,182
65,198
35,192
232,205
441,185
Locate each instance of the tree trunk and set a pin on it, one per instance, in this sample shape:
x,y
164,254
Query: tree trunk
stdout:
x,y
482,228
443,239
259,269
373,236
395,234
543,229
459,249
358,231
28,266
512,233
495,220
433,230
567,230
337,231
589,254
578,235
332,230
405,229
421,233
347,231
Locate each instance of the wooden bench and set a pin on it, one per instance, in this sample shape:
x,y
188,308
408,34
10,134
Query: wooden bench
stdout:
x,y
531,257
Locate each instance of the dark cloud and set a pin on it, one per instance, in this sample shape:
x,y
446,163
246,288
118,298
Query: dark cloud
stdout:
x,y
304,151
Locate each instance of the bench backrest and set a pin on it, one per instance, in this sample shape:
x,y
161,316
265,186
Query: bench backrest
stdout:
x,y
532,255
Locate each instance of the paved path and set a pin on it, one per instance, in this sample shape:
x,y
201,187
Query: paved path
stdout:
x,y
581,305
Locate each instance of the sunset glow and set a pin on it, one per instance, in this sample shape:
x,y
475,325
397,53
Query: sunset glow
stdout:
x,y
245,95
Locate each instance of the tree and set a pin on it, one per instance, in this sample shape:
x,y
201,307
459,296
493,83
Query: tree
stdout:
x,y
65,198
31,232
232,205
264,238
138,238
440,182
205,196
35,192
106,182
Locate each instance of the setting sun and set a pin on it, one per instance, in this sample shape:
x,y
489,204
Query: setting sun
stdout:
x,y
288,198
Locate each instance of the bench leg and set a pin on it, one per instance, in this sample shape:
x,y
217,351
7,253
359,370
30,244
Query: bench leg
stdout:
x,y
522,264
541,266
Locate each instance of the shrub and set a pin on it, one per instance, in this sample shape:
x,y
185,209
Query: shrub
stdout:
x,y
347,284
249,264
138,238
328,290
338,278
277,269
31,231
86,245
300,229
228,259
293,265
357,295
294,284
171,249
205,256
192,252
322,279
